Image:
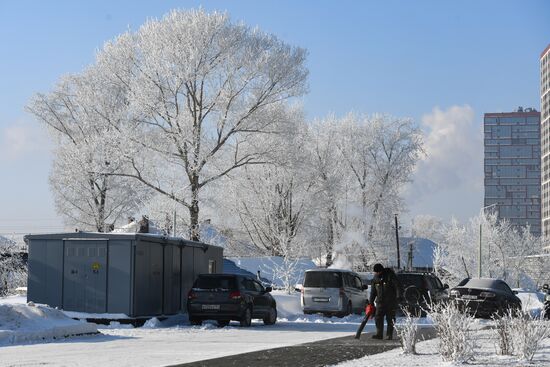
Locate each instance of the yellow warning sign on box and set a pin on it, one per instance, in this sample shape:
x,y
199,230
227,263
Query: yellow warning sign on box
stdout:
x,y
95,266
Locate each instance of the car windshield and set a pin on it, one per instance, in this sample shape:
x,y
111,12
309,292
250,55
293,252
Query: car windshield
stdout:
x,y
481,283
323,279
215,283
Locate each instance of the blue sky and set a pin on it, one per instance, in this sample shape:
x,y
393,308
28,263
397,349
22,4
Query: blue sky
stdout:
x,y
443,63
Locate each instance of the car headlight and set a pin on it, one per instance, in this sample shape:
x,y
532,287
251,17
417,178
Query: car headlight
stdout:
x,y
547,298
455,293
487,295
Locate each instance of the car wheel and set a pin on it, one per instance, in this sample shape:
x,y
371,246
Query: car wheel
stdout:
x,y
271,317
246,318
347,311
195,321
223,323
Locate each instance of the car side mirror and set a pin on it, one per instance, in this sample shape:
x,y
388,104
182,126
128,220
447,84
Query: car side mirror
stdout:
x,y
298,287
365,287
545,287
268,289
445,286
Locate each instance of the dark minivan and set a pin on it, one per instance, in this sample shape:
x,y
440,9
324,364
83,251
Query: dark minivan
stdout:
x,y
226,297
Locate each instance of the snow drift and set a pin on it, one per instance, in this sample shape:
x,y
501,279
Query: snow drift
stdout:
x,y
29,322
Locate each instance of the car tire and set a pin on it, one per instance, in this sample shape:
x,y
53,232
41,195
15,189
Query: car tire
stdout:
x,y
195,321
223,323
271,317
246,318
347,311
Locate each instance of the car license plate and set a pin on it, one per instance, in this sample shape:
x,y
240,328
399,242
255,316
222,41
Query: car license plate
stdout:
x,y
320,299
469,296
211,307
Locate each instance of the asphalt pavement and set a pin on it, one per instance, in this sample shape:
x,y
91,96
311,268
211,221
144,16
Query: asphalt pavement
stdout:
x,y
316,354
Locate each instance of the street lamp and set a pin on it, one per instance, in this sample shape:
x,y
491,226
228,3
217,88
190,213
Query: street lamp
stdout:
x,y
397,243
480,229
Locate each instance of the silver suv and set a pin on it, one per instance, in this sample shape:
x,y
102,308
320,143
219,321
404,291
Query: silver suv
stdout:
x,y
333,292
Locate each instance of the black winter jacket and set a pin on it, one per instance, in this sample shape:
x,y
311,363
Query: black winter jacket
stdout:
x,y
386,289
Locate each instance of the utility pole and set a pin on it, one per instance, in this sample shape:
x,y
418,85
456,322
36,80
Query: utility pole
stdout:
x,y
479,262
397,242
410,257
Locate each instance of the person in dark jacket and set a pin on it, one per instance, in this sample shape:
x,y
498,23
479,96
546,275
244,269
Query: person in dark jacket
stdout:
x,y
385,295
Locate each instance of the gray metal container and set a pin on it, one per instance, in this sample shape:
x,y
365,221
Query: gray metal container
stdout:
x,y
135,274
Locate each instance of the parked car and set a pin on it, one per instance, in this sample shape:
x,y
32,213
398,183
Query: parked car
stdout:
x,y
226,297
485,297
420,290
333,292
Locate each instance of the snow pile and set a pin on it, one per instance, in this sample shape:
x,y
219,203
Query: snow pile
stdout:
x,y
133,227
531,302
30,322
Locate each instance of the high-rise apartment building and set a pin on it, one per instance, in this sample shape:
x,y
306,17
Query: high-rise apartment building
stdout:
x,y
512,167
545,130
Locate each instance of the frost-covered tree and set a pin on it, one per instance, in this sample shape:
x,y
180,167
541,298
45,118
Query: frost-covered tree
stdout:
x,y
273,200
427,226
87,198
396,147
505,249
328,174
201,90
82,112
362,164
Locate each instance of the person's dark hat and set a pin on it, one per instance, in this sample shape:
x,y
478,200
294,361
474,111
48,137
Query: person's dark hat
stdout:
x,y
378,268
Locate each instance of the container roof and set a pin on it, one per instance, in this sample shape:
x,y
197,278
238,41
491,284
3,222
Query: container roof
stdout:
x,y
116,236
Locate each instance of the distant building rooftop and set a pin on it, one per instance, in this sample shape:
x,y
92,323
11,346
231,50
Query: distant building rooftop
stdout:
x,y
529,111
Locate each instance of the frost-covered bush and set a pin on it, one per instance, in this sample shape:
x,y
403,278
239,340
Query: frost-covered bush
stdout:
x,y
503,333
528,332
13,270
408,333
454,328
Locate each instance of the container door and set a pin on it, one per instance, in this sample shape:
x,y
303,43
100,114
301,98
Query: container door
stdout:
x,y
85,276
148,279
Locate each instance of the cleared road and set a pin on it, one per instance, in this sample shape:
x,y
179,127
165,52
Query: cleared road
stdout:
x,y
316,354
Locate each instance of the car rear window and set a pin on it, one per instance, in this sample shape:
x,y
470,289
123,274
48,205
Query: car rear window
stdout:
x,y
215,283
409,279
481,283
323,279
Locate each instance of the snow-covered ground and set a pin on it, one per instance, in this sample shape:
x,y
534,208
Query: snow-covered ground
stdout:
x,y
174,341
427,351
428,356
